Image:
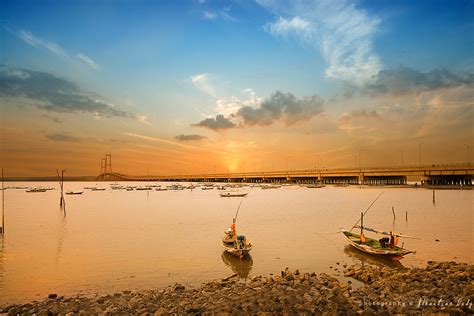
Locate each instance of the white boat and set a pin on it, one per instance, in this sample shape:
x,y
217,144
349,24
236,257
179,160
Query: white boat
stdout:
x,y
74,192
232,194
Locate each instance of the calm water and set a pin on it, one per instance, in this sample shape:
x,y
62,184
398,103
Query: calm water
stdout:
x,y
115,239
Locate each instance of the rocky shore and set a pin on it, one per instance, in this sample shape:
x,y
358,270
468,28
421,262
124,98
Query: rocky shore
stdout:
x,y
441,287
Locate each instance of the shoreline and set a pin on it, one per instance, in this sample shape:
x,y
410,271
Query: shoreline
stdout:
x,y
440,287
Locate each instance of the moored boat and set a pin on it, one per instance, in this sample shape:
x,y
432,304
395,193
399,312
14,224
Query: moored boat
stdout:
x,y
74,192
384,247
232,194
36,190
236,245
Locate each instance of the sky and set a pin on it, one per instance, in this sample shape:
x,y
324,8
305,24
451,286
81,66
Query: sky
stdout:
x,y
204,86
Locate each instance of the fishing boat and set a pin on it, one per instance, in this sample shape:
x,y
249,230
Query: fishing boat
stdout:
x,y
98,189
143,188
207,188
234,244
74,192
232,194
315,186
161,189
383,247
36,190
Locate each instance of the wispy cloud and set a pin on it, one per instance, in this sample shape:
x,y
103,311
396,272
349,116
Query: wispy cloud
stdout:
x,y
203,83
187,138
54,48
298,26
223,13
61,137
342,32
87,60
162,140
35,41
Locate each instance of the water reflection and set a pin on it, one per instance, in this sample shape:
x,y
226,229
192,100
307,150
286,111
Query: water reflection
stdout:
x,y
369,259
241,267
2,269
61,234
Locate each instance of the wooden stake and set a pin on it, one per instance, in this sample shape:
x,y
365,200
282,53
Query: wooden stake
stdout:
x,y
434,198
2,230
393,212
406,216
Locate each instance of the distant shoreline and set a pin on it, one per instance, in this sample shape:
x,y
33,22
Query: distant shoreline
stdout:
x,y
94,179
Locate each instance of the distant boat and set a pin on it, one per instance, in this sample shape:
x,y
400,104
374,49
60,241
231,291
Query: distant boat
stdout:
x,y
36,190
384,247
98,189
236,245
207,188
161,189
74,193
143,188
274,186
315,186
221,187
232,194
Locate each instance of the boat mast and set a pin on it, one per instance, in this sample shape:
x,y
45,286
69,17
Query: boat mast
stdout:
x,y
367,210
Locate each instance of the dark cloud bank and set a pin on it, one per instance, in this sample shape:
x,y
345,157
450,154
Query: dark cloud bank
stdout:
x,y
218,123
57,94
404,80
278,107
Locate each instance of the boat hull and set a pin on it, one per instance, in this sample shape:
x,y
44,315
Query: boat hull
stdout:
x,y
373,247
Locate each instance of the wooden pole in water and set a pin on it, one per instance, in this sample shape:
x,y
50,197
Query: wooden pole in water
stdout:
x,y
434,198
406,216
393,212
2,230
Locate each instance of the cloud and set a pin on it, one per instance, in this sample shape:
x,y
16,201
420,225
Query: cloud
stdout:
x,y
54,48
405,80
52,118
164,141
284,27
86,60
203,83
63,138
359,114
56,94
193,137
281,106
230,105
35,41
342,33
222,13
217,124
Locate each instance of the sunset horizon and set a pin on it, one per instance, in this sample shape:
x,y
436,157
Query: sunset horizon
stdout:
x,y
202,86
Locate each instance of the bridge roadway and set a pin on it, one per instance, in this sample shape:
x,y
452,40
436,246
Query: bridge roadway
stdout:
x,y
439,174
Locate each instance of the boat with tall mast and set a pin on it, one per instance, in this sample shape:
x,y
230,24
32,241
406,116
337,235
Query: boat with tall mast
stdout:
x,y
384,247
237,245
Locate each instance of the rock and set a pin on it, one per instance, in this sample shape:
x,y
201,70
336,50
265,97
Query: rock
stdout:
x,y
160,312
52,296
178,287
